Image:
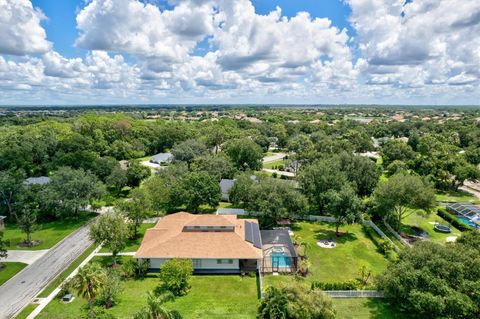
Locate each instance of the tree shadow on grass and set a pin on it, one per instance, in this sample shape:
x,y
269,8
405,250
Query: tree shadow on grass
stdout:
x,y
322,234
381,309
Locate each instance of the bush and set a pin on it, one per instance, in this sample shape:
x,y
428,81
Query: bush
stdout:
x,y
442,212
344,285
175,276
133,268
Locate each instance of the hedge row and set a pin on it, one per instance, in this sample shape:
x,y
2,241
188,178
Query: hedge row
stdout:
x,y
442,212
344,285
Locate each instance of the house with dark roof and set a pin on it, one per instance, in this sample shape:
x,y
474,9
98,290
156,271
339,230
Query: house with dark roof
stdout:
x,y
214,243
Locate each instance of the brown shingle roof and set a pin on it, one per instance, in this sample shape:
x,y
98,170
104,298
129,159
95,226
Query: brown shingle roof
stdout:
x,y
168,240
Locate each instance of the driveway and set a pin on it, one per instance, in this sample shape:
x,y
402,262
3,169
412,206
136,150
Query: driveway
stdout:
x,y
289,174
25,256
19,291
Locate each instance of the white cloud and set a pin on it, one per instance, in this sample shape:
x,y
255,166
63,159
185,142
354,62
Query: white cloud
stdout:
x,y
20,29
418,42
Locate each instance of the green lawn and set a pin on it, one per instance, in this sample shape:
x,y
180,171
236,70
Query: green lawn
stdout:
x,y
26,311
270,165
133,244
209,297
425,223
365,308
458,196
343,262
10,269
48,234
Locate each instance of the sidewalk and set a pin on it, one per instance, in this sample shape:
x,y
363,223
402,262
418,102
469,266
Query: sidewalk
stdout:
x,y
25,256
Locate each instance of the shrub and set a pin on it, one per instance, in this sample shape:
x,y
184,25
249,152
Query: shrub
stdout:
x,y
133,268
442,212
175,276
343,285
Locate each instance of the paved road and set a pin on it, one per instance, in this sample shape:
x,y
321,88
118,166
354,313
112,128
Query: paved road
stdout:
x,y
19,291
25,256
274,157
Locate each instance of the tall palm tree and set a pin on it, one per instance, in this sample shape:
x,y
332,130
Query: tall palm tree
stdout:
x,y
88,282
155,308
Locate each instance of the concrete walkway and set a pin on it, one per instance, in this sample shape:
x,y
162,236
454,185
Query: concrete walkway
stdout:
x,y
25,256
289,174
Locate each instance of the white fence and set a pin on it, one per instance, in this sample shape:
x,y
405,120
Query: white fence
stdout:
x,y
400,238
381,233
354,293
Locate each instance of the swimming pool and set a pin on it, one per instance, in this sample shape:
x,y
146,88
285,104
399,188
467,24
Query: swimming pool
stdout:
x,y
280,260
467,221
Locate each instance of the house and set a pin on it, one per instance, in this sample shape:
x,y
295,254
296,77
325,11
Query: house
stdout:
x,y
42,180
162,158
215,243
226,186
231,211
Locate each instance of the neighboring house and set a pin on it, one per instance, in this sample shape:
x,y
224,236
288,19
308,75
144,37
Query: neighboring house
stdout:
x,y
162,158
231,211
226,186
215,243
42,180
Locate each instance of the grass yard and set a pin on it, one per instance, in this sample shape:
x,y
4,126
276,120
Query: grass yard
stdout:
x,y
354,250
133,244
48,234
219,297
426,223
271,165
458,196
26,311
209,297
10,269
365,308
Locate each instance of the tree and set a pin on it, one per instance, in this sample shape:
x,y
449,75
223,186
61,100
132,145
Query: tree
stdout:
x,y
396,150
88,283
117,179
11,184
111,231
218,166
73,189
361,171
136,172
402,195
344,205
245,154
215,136
275,199
318,178
188,150
136,209
110,289
155,308
463,171
295,301
3,248
194,189
434,281
158,191
27,222
175,276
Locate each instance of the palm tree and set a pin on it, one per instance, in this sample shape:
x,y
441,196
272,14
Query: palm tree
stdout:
x,y
155,308
88,282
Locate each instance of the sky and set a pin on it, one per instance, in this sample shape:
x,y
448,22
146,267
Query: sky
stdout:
x,y
80,52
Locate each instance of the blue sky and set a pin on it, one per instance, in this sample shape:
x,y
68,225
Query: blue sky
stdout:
x,y
240,51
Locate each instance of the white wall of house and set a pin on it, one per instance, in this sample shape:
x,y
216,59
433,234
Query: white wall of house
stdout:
x,y
156,263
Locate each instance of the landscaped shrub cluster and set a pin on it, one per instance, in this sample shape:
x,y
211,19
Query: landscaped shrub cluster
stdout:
x,y
133,268
343,285
175,276
442,212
